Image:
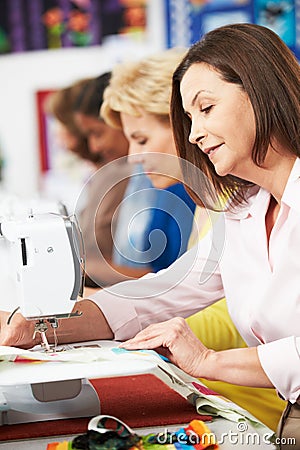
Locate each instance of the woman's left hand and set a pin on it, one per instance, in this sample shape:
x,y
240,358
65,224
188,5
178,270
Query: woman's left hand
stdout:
x,y
175,340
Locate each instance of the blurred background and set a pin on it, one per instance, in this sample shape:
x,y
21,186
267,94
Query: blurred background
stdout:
x,y
48,44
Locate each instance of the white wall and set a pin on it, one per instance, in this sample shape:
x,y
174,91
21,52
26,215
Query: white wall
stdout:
x,y
23,74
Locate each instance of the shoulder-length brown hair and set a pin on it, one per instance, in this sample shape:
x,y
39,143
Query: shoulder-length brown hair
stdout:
x,y
256,59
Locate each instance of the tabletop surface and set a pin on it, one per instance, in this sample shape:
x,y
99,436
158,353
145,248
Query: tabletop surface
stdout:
x,y
229,435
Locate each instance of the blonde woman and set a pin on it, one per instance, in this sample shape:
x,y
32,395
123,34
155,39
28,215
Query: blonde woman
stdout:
x,y
137,102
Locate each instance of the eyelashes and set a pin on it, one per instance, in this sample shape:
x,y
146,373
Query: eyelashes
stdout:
x,y
206,110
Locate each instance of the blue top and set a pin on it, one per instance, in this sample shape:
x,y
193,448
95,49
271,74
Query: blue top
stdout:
x,y
154,225
170,227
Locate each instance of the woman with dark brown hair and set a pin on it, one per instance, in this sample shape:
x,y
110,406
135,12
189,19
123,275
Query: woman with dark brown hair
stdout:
x,y
236,119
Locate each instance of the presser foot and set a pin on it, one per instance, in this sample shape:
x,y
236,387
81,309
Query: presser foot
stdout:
x,y
41,327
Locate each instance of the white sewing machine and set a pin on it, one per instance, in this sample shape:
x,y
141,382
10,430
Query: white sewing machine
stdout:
x,y
41,276
41,261
41,266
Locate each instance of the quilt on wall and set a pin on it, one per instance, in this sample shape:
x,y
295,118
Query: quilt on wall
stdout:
x,y
188,20
50,24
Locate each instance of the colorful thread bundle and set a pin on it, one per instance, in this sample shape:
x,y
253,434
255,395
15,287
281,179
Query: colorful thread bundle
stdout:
x,y
195,436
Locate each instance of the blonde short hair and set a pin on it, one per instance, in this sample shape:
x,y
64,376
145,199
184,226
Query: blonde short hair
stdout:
x,y
144,84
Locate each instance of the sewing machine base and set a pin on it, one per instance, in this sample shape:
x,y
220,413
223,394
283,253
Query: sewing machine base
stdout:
x,y
48,401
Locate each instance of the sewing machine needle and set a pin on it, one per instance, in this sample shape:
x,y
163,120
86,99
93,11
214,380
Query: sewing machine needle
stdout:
x,y
45,342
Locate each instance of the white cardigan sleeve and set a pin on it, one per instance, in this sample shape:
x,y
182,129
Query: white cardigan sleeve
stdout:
x,y
276,355
190,284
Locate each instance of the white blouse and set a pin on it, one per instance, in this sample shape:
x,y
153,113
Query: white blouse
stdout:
x,y
261,283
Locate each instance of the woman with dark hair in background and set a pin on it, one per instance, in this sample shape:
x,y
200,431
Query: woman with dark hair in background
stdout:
x,y
60,104
104,190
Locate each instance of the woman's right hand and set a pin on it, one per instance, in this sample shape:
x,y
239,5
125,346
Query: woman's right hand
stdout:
x,y
16,332
90,325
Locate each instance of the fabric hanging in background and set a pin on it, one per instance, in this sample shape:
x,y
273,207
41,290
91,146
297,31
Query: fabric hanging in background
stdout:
x,y
52,24
188,20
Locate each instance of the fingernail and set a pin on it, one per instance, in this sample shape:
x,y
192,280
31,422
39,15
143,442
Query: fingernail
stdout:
x,y
122,345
